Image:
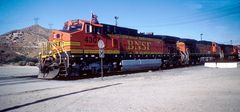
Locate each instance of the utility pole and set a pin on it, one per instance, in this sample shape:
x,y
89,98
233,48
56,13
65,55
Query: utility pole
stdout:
x,y
36,20
116,18
201,36
231,42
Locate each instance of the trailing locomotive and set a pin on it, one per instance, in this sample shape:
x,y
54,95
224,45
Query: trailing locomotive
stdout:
x,y
73,51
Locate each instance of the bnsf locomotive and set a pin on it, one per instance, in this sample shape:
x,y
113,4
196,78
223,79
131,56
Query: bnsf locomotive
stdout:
x,y
74,51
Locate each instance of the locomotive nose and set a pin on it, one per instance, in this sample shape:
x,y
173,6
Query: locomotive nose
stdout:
x,y
56,35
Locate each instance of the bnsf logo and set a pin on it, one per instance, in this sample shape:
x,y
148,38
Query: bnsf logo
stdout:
x,y
138,45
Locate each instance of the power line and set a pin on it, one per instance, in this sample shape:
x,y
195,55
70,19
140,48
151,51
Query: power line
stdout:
x,y
194,20
199,17
206,12
231,42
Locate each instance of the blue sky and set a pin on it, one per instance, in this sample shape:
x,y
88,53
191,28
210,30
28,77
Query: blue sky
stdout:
x,y
217,20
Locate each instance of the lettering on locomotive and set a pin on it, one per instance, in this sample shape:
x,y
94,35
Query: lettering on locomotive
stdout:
x,y
138,45
91,39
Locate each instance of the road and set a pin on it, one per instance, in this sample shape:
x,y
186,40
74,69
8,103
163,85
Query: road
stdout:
x,y
188,89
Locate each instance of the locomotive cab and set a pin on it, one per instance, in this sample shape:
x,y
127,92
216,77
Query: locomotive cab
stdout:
x,y
82,26
75,25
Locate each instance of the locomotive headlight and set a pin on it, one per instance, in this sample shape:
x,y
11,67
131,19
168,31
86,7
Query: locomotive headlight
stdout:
x,y
56,35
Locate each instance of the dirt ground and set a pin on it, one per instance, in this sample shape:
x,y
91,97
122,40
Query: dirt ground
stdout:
x,y
189,89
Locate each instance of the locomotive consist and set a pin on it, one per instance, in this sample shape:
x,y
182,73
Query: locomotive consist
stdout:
x,y
74,51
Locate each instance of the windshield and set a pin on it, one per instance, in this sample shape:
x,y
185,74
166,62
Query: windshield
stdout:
x,y
73,27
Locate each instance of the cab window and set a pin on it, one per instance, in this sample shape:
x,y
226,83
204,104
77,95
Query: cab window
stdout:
x,y
73,27
76,27
87,28
97,30
92,29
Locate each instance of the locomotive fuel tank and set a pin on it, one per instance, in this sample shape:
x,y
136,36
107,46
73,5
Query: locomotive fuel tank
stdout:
x,y
140,64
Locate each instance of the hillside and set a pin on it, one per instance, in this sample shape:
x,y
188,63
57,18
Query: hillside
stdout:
x,y
22,44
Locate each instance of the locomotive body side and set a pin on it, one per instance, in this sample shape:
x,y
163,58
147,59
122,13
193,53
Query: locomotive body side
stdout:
x,y
74,51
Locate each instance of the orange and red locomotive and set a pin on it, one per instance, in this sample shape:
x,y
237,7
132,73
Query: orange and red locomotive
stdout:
x,y
74,50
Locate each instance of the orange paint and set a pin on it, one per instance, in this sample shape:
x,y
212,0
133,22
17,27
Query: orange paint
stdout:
x,y
181,46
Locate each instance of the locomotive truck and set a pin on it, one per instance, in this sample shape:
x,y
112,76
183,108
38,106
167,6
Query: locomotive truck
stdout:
x,y
73,51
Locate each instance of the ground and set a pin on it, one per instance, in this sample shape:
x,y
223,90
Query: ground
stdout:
x,y
187,89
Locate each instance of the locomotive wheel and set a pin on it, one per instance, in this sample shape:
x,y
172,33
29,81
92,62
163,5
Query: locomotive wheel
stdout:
x,y
49,71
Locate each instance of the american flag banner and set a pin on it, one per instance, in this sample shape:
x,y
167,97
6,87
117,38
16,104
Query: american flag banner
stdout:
x,y
94,19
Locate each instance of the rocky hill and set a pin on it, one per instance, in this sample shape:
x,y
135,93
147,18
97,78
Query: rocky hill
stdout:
x,y
22,44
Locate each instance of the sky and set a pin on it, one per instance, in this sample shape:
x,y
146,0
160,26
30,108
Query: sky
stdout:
x,y
217,20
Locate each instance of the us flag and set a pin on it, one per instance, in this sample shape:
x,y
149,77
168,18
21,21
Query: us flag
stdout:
x,y
94,19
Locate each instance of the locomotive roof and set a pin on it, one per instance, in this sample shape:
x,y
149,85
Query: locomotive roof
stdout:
x,y
113,29
186,40
117,26
163,37
169,38
204,42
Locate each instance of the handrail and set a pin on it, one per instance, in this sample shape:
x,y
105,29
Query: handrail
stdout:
x,y
58,53
66,55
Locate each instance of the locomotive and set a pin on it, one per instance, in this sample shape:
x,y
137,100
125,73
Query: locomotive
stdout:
x,y
73,51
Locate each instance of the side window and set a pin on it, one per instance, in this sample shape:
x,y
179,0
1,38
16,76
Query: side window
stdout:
x,y
87,28
75,27
108,29
79,27
92,29
97,30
